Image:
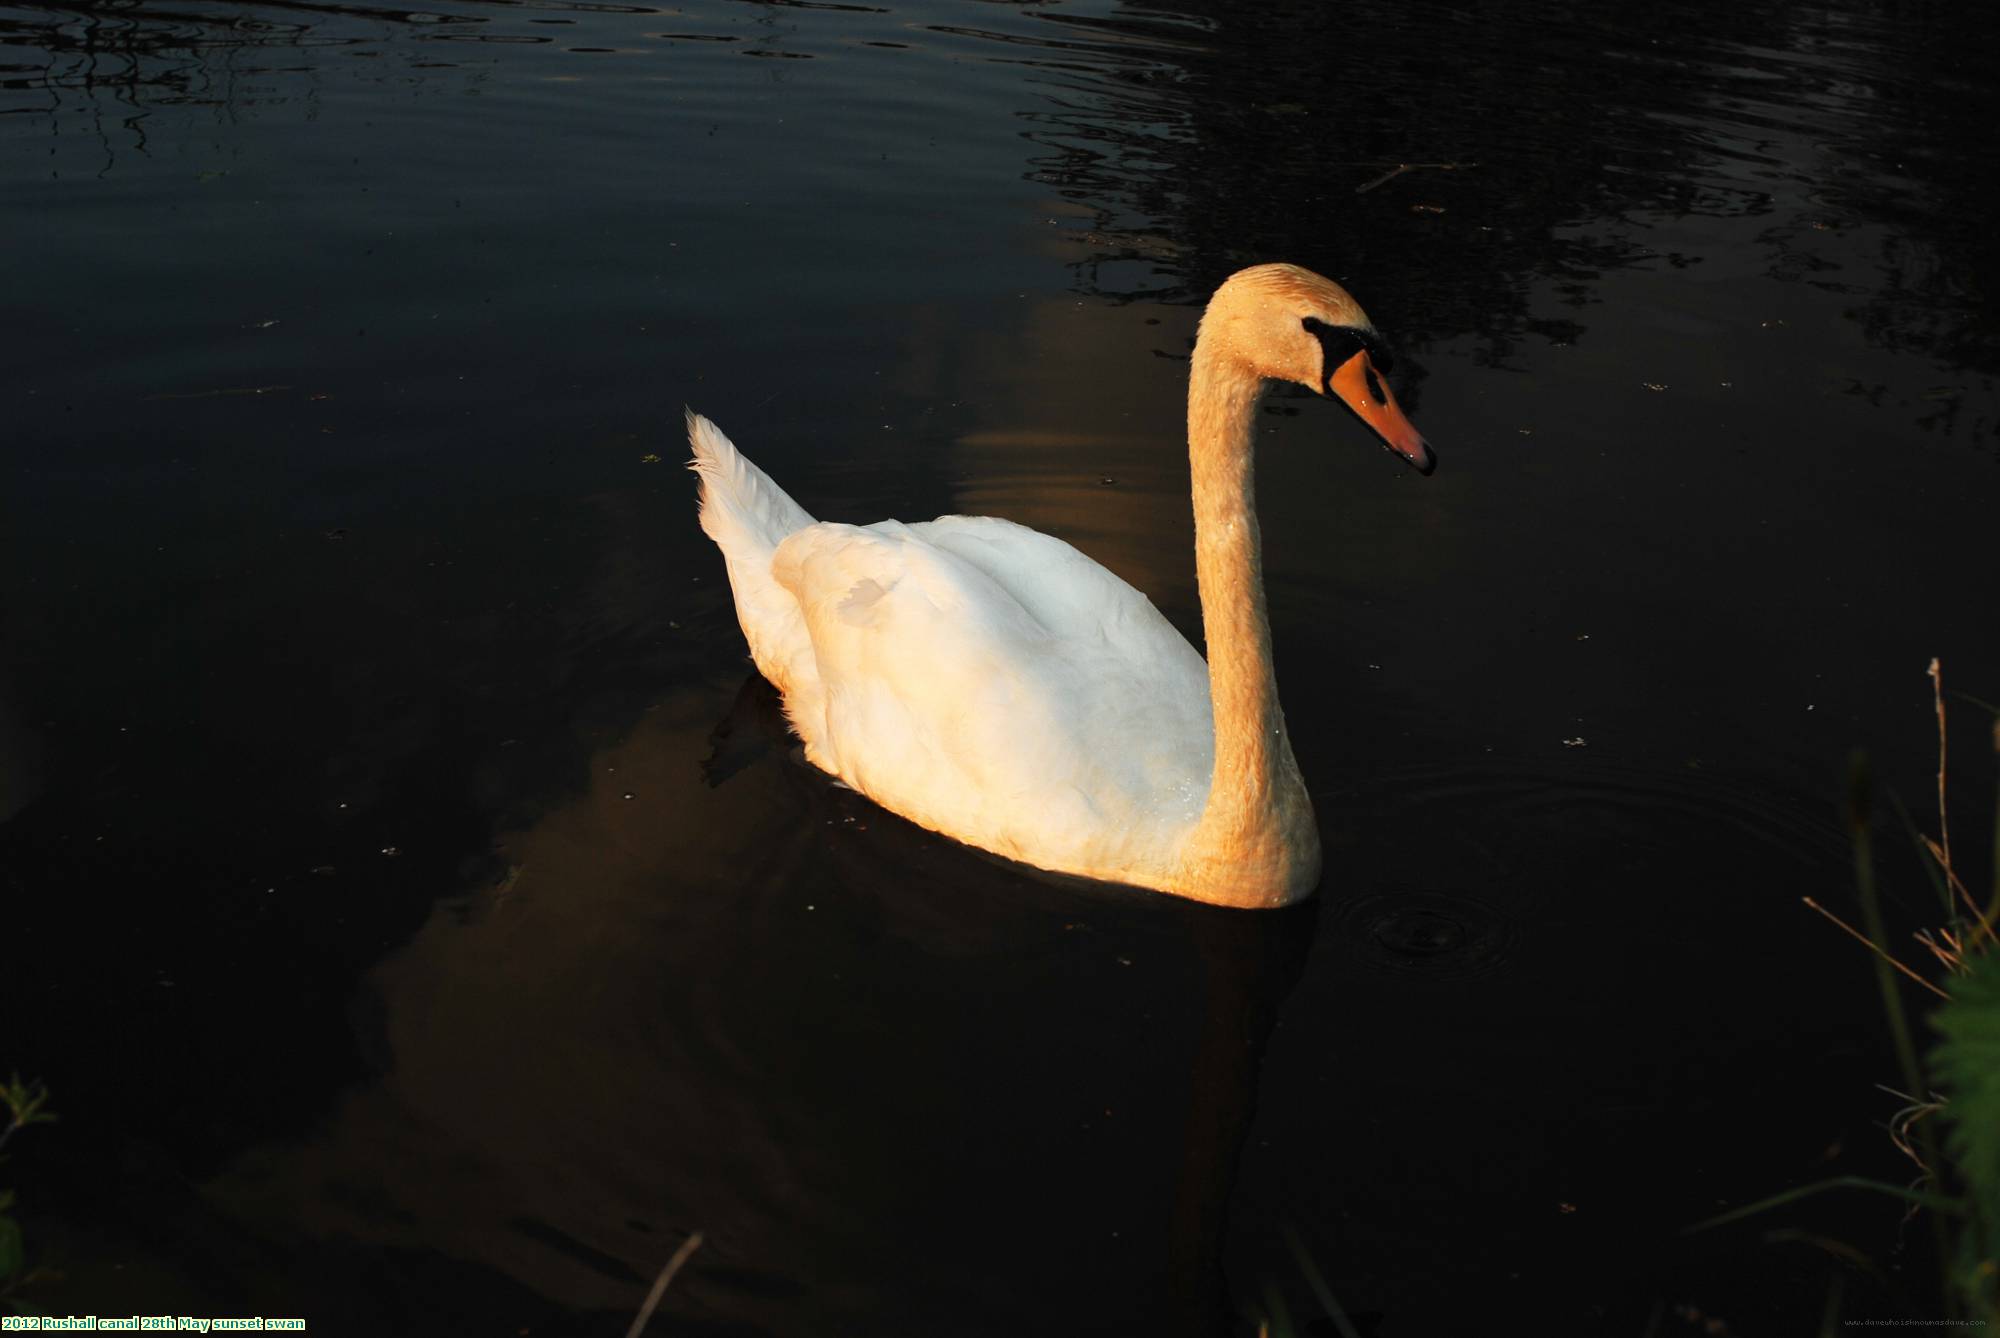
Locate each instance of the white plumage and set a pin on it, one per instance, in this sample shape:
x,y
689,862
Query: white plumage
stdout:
x,y
971,674
996,685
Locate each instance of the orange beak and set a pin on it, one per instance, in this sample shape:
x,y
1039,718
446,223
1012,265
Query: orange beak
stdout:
x,y
1362,389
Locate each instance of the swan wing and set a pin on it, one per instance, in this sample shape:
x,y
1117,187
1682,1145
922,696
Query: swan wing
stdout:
x,y
996,685
1061,588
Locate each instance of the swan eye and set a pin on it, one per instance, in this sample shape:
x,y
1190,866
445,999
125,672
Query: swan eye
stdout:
x,y
1338,343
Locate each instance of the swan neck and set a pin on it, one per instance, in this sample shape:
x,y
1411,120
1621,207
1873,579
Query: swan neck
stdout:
x,y
1257,813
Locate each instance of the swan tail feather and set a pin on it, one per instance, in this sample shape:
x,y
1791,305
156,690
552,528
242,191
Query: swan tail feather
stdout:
x,y
738,500
748,516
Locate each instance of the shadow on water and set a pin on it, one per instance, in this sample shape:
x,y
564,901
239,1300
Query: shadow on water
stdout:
x,y
589,1057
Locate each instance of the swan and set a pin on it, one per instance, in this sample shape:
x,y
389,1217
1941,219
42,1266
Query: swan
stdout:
x,y
993,684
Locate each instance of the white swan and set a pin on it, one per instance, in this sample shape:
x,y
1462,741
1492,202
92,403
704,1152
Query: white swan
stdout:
x,y
993,684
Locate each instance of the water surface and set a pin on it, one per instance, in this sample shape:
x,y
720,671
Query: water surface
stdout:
x,y
423,917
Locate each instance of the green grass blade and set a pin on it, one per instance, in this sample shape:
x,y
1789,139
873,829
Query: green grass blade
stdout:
x,y
1923,1199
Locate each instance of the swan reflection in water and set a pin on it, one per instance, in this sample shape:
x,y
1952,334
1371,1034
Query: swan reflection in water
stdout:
x,y
899,1085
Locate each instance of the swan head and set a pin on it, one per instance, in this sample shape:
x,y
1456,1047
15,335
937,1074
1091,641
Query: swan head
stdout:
x,y
1284,323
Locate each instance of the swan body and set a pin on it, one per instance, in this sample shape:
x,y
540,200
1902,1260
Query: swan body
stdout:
x,y
994,684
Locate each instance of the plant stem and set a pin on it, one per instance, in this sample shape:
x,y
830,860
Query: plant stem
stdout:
x,y
1993,906
1878,938
1892,998
1937,1203
1944,824
661,1283
1870,944
1320,1290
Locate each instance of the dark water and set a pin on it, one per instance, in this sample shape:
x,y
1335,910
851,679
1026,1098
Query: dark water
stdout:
x,y
416,906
